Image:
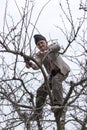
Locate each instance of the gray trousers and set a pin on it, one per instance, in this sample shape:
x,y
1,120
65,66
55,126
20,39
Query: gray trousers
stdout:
x,y
57,92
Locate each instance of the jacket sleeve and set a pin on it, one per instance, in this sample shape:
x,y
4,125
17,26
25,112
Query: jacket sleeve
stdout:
x,y
55,47
38,60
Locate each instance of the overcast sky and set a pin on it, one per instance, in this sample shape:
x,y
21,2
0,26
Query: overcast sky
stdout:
x,y
49,17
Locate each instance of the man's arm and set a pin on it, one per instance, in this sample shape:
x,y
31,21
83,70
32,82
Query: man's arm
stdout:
x,y
30,64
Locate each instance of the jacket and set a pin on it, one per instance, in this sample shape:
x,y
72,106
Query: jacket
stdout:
x,y
55,57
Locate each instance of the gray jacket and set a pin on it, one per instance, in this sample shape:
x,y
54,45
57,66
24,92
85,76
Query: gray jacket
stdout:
x,y
54,56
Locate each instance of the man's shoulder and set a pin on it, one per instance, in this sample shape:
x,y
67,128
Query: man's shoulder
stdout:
x,y
54,47
52,44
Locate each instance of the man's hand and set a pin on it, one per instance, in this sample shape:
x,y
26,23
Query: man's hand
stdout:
x,y
28,64
26,59
31,65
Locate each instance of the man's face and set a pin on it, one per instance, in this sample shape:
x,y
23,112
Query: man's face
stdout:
x,y
42,45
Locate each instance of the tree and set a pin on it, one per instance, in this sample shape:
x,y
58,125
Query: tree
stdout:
x,y
18,85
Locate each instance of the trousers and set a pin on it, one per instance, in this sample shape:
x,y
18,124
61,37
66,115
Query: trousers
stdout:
x,y
57,91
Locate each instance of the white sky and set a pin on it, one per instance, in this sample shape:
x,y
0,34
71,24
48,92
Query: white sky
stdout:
x,y
49,17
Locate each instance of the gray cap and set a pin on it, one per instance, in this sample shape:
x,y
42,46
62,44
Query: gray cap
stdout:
x,y
38,38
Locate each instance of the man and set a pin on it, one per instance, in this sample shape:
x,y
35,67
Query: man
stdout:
x,y
57,70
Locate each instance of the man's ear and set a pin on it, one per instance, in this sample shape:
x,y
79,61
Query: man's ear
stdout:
x,y
46,42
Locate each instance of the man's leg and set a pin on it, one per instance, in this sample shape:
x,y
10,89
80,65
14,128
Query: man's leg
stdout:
x,y
40,99
57,91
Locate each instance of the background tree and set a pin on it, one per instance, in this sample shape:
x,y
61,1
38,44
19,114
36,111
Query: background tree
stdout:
x,y
18,85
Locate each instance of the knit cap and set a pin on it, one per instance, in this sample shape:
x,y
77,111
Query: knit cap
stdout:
x,y
38,38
